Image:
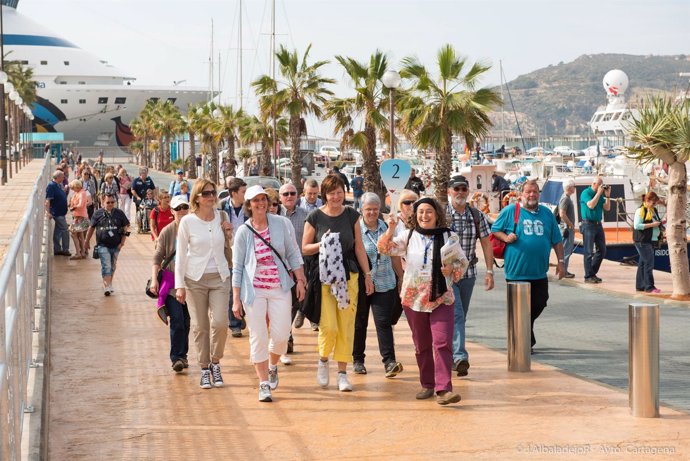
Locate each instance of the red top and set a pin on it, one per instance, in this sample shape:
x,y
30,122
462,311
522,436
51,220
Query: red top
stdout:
x,y
161,219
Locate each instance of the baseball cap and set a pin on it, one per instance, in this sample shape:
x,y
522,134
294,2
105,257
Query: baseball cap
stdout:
x,y
253,191
178,200
458,181
179,171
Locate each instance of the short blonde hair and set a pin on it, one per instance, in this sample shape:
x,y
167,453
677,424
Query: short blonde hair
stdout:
x,y
407,194
76,184
198,188
108,176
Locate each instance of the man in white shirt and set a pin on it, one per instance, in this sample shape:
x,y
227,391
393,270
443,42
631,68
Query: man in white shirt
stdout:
x,y
310,200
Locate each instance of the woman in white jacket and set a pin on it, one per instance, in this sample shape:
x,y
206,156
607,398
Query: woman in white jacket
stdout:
x,y
202,278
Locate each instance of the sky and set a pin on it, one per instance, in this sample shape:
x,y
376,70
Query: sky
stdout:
x,y
165,41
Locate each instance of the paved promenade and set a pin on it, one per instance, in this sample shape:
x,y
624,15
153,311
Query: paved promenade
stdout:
x,y
114,396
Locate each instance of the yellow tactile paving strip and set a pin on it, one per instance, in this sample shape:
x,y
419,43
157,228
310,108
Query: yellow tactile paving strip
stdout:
x,y
114,396
15,196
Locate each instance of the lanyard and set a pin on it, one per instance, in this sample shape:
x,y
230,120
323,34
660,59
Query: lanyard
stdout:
x,y
368,234
426,248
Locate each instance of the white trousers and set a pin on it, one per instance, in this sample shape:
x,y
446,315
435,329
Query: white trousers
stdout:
x,y
269,313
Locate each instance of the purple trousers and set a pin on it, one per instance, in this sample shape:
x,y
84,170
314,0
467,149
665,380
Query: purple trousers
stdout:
x,y
432,334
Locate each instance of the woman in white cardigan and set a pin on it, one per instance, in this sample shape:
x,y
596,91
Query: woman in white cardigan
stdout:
x,y
262,282
202,278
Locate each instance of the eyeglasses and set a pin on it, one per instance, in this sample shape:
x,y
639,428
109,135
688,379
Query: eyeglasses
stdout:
x,y
109,203
460,189
208,193
181,207
275,204
286,194
407,202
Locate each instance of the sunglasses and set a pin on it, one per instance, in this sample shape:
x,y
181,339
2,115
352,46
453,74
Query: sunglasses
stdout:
x,y
460,188
208,193
407,202
181,207
286,194
109,203
275,204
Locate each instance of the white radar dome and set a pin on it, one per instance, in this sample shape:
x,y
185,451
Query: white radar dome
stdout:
x,y
615,82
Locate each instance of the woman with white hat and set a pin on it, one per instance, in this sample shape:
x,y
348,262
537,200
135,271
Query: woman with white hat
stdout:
x,y
265,257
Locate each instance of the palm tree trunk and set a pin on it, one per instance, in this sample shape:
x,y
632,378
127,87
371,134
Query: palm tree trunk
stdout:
x,y
231,170
265,158
213,167
372,176
191,160
675,228
166,159
295,156
442,168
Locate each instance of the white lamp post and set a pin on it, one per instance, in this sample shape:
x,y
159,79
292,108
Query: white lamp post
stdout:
x,y
391,80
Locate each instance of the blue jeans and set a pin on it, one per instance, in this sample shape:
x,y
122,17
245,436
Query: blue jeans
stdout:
x,y
60,234
568,246
462,291
108,260
179,328
644,281
593,235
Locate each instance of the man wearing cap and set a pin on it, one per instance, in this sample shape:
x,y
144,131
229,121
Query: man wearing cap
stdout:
x,y
471,225
56,209
168,305
175,183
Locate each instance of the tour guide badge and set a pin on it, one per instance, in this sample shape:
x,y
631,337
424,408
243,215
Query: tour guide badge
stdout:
x,y
395,173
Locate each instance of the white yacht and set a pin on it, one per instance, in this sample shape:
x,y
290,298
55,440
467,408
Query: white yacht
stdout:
x,y
87,99
609,122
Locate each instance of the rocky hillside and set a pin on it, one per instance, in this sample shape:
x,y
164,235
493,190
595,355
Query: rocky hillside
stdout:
x,y
561,98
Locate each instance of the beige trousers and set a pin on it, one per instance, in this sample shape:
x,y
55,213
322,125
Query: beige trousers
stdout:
x,y
207,300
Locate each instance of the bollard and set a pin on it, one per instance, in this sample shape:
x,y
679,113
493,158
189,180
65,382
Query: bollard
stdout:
x,y
643,360
519,327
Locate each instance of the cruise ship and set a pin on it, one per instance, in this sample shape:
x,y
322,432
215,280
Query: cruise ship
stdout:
x,y
609,123
84,97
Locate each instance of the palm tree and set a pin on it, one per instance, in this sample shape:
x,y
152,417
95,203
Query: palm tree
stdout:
x,y
209,138
436,109
662,132
302,92
193,125
142,128
255,130
168,124
22,79
225,123
368,104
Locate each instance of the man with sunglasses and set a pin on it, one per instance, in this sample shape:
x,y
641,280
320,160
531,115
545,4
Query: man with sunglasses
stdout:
x,y
112,228
471,225
233,206
297,216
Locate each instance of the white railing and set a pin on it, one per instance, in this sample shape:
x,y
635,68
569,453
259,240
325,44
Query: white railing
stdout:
x,y
18,285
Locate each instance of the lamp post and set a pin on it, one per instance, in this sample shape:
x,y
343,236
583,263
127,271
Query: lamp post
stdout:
x,y
391,80
3,137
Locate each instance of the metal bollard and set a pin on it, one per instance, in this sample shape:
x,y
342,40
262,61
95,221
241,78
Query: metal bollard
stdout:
x,y
643,360
519,327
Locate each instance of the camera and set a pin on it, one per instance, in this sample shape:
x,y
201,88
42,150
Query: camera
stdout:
x,y
607,187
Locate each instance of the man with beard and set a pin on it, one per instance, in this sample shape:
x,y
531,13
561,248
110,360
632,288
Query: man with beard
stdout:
x,y
528,246
471,225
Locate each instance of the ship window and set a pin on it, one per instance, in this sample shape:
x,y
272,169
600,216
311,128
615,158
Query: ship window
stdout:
x,y
63,101
598,117
172,100
62,82
607,117
616,116
81,83
82,101
625,116
25,63
44,63
153,99
120,100
102,100
66,63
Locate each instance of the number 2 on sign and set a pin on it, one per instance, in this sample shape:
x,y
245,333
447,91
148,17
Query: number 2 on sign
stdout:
x,y
397,170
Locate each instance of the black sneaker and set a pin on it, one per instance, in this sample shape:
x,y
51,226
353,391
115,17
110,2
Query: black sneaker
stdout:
x,y
569,275
359,368
393,368
185,362
461,366
299,319
205,382
236,332
590,280
596,279
178,366
215,374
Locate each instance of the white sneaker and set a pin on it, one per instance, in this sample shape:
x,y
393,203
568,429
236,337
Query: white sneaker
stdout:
x,y
112,290
285,359
273,377
106,291
322,374
265,392
344,384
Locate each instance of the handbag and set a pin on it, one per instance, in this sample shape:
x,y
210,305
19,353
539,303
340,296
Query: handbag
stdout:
x,y
159,277
499,246
95,254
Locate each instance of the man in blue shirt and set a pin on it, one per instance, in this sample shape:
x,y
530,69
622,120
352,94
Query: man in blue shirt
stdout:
x,y
592,207
175,183
357,184
528,246
56,209
141,184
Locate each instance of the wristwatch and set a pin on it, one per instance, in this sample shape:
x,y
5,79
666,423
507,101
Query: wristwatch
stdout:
x,y
561,260
490,271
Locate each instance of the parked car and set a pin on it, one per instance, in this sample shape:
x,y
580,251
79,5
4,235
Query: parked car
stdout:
x,y
332,152
263,181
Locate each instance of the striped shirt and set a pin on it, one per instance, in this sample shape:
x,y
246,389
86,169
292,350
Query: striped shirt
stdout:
x,y
266,275
382,273
463,225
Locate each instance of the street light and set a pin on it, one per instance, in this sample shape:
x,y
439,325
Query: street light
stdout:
x,y
391,80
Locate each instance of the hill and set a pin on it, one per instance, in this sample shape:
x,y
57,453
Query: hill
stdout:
x,y
561,98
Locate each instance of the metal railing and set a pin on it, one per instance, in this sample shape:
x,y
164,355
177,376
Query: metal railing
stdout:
x,y
18,285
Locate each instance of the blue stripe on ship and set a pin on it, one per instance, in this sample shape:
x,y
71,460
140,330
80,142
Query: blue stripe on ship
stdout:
x,y
36,40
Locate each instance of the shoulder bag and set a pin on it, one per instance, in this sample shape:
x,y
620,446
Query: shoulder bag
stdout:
x,y
499,246
159,276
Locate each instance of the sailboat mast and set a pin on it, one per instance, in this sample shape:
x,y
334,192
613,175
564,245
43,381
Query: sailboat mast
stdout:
x,y
240,58
503,105
273,76
210,66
